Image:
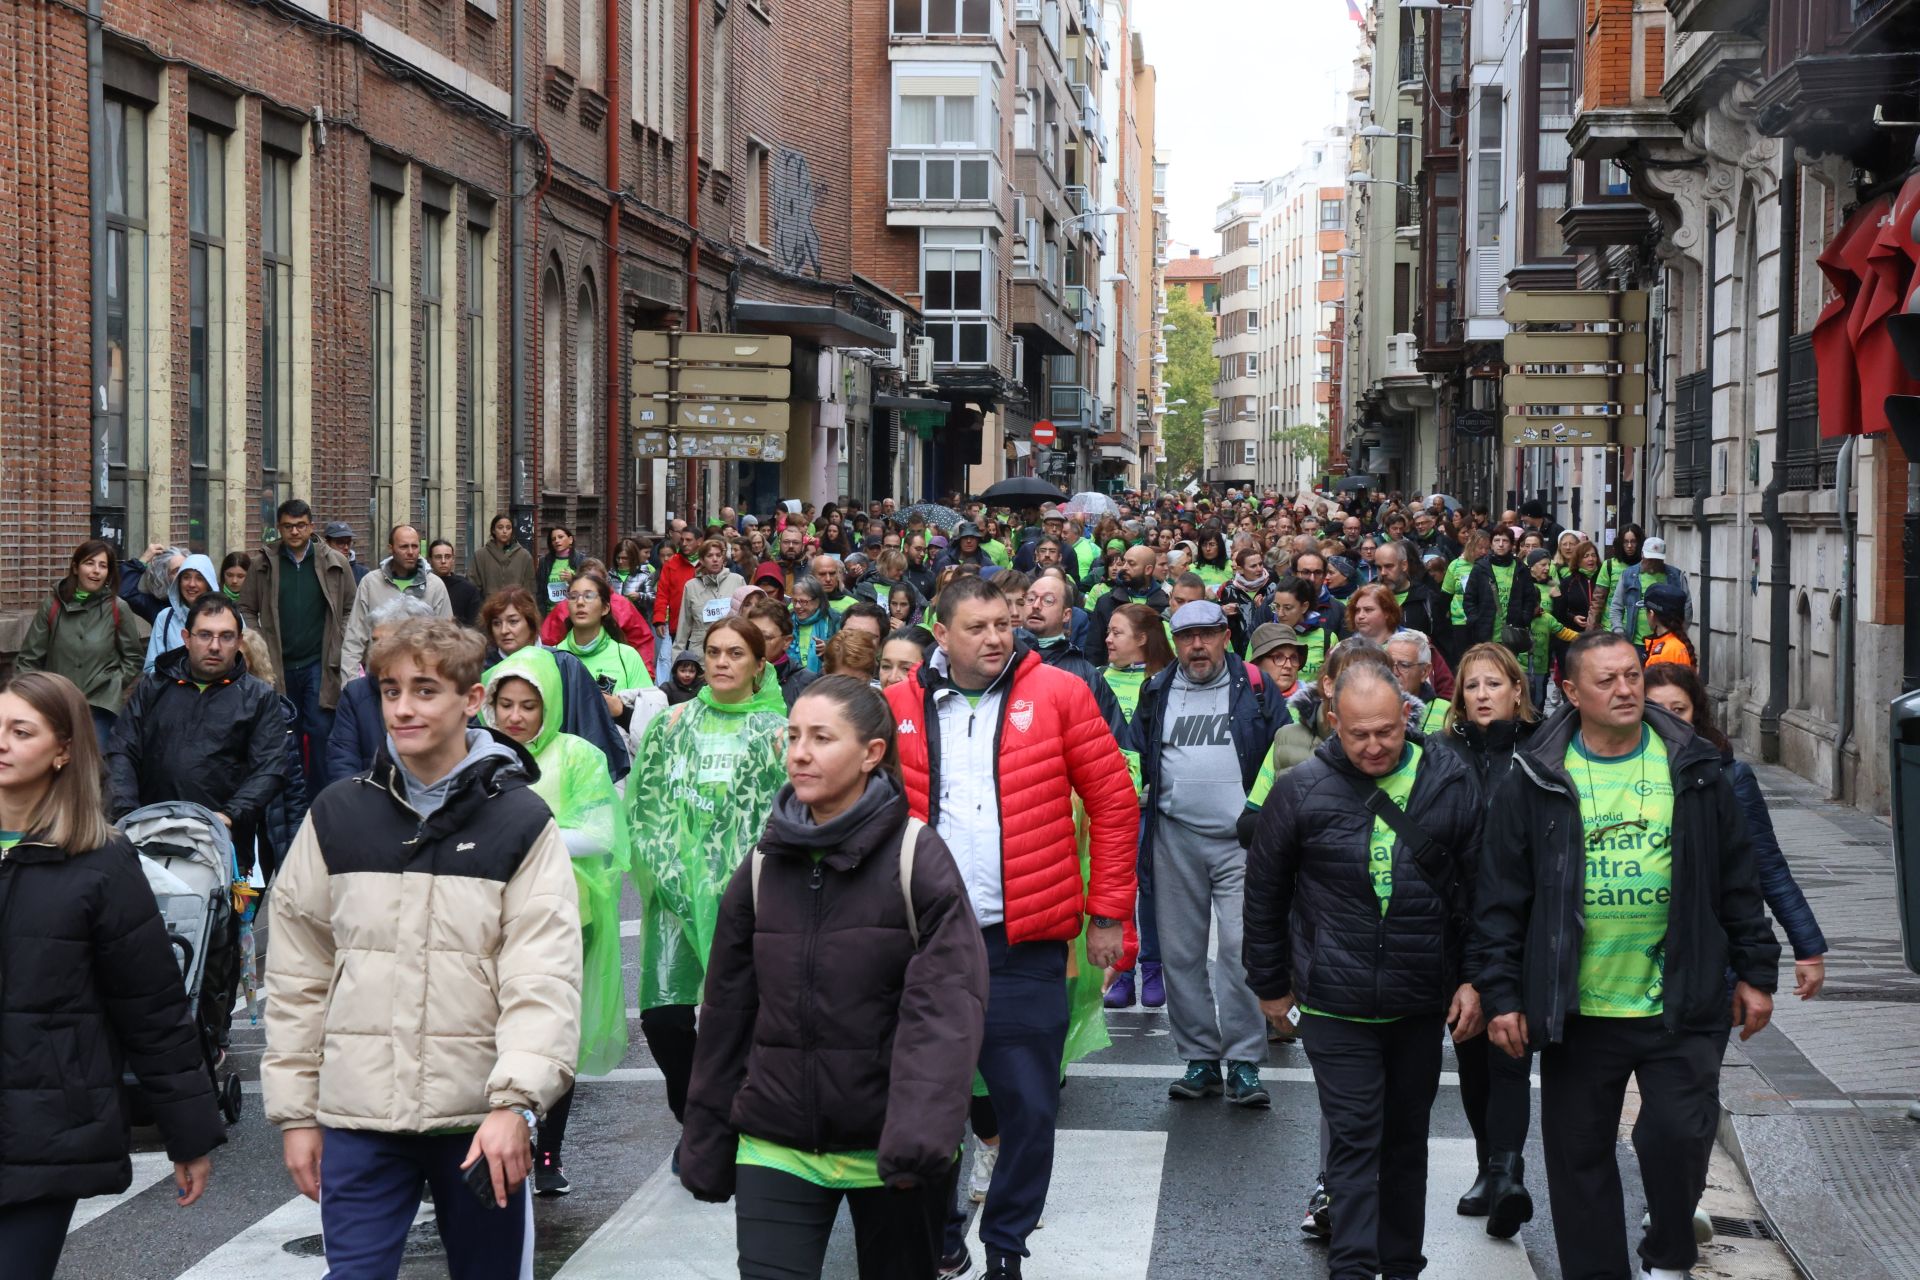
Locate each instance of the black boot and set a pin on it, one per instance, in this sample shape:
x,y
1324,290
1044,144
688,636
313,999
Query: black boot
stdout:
x,y
1474,1203
1508,1204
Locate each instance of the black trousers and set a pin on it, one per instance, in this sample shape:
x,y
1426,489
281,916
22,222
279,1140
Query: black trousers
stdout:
x,y
1583,1082
1376,1081
782,1225
31,1237
670,1039
553,1126
1496,1092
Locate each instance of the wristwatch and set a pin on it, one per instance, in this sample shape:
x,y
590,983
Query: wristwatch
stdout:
x,y
533,1121
1104,922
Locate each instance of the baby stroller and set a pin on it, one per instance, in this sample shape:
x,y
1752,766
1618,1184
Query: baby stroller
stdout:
x,y
190,864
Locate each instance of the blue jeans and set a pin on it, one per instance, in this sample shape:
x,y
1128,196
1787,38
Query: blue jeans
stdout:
x,y
1020,1061
370,1190
313,723
103,722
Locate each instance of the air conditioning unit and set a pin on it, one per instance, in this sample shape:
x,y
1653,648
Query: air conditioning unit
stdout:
x,y
1017,349
920,363
892,357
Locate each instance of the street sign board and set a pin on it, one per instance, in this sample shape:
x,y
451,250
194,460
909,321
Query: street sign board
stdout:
x,y
1561,306
1562,389
1548,346
1557,433
1044,433
712,415
739,446
706,380
714,348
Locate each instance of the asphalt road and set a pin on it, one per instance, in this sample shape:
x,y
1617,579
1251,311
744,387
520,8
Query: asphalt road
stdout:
x,y
1144,1189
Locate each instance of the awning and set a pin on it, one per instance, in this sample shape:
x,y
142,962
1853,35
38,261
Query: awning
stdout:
x,y
909,404
1870,265
818,323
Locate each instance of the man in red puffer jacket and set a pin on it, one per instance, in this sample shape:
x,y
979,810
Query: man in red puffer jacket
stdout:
x,y
994,746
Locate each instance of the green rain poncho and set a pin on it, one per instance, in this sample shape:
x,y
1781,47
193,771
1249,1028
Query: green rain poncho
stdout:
x,y
577,786
702,785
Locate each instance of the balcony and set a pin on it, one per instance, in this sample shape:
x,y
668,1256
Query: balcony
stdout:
x,y
943,180
1045,15
1622,113
1715,15
1082,93
1824,75
1403,350
1090,124
1079,201
1089,321
1041,315
1071,408
1034,178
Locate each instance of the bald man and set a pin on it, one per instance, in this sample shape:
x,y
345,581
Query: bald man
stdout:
x,y
1133,583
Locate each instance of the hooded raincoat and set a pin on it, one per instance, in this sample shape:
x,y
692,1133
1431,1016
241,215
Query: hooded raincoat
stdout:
x,y
170,625
702,785
578,788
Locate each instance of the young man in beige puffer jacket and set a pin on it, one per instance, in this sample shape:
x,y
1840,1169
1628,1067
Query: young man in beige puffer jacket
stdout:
x,y
423,977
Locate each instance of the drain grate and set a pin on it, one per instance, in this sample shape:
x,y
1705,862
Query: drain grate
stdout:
x,y
1741,1228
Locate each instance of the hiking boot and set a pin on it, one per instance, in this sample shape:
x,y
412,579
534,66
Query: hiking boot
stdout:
x,y
984,1158
1319,1221
549,1179
1003,1266
955,1265
1244,1088
1120,994
1201,1081
1153,988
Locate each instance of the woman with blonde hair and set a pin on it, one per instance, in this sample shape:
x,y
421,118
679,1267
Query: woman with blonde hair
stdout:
x,y
852,653
93,988
1490,721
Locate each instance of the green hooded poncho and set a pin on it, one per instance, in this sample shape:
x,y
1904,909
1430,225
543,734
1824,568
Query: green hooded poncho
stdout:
x,y
576,784
702,786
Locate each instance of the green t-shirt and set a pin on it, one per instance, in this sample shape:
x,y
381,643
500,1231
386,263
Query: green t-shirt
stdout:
x,y
1126,683
8,839
1380,844
1215,576
839,1170
1542,629
1434,720
1610,571
1643,621
1455,585
1626,807
556,585
1316,644
81,597
1502,592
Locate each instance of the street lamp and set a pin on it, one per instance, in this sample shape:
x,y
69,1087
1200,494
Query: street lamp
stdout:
x,y
1373,131
1110,211
1432,6
1361,177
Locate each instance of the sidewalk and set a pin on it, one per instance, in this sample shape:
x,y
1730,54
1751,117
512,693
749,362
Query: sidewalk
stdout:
x,y
1816,1105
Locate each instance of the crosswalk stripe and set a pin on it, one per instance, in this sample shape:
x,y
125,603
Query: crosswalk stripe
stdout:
x,y
148,1168
660,1233
1083,1238
1459,1248
261,1249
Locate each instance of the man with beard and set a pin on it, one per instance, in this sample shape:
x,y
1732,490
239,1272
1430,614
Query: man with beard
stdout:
x,y
1133,584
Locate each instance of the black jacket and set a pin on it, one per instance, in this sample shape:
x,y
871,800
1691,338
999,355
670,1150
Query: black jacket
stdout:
x,y
1483,601
1528,902
1120,591
794,678
1425,608
1488,753
1065,657
223,747
89,988
1313,922
823,1027
464,597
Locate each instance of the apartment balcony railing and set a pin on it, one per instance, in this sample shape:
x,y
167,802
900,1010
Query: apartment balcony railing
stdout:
x,y
1079,200
1082,93
1076,301
1046,15
921,178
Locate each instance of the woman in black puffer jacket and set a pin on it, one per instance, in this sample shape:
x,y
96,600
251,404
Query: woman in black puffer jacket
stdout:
x,y
845,1007
91,988
1491,719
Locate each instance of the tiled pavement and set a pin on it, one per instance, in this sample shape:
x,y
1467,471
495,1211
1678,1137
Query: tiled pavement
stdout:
x,y
1817,1103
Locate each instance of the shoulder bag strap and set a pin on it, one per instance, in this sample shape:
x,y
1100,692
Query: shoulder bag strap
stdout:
x,y
1439,871
759,860
909,844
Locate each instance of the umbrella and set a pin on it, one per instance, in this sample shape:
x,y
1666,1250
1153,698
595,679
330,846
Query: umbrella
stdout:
x,y
944,518
1350,484
1023,491
1091,504
1447,500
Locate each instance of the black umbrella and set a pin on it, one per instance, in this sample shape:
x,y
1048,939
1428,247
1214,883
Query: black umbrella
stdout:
x,y
1351,484
1023,491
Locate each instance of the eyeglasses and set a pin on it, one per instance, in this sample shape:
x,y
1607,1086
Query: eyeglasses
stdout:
x,y
216,637
1402,666
582,597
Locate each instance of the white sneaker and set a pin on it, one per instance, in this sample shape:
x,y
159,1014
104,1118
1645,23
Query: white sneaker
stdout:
x,y
1664,1273
984,1158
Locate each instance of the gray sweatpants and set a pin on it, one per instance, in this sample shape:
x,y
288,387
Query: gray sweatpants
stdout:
x,y
1199,883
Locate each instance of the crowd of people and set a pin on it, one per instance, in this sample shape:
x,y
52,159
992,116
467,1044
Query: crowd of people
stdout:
x,y
911,798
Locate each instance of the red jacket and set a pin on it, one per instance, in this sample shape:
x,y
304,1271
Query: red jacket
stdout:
x,y
1051,744
676,571
627,618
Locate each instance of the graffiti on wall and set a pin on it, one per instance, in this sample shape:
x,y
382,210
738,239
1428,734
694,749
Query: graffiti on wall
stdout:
x,y
796,196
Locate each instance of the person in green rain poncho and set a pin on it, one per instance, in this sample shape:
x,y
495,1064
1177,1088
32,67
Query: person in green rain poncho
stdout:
x,y
524,701
703,782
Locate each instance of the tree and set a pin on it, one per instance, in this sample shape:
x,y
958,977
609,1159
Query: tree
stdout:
x,y
1307,440
1190,372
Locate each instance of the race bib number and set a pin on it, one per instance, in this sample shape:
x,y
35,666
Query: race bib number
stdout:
x,y
714,610
556,592
721,757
